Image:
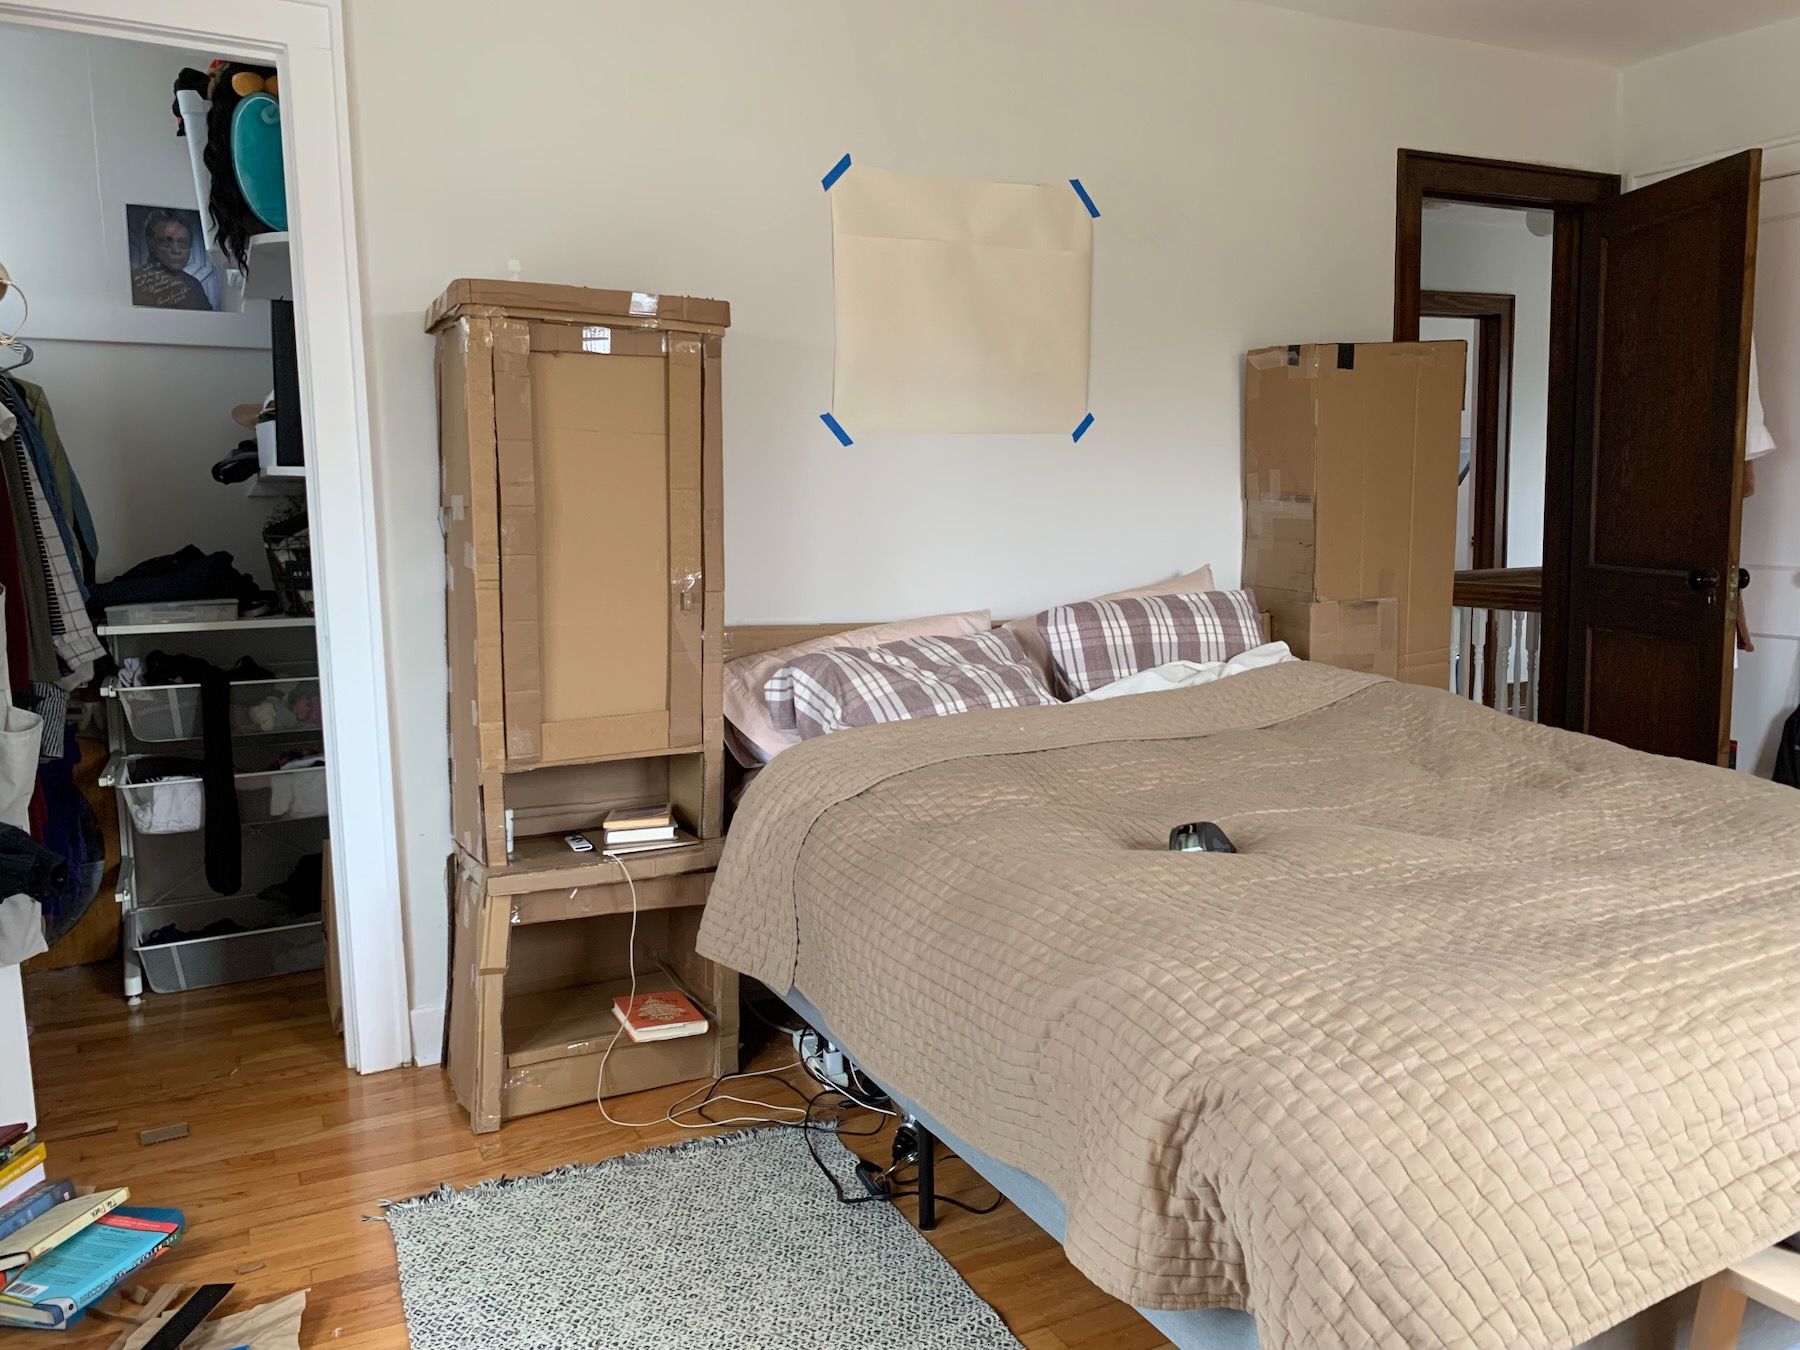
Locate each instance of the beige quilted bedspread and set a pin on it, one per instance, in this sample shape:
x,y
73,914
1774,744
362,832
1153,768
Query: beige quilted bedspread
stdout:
x,y
1489,1035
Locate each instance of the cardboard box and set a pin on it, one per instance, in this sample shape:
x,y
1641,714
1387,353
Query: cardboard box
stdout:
x,y
1353,634
1350,463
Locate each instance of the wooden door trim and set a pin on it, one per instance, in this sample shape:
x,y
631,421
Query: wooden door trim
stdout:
x,y
1484,182
1567,193
1492,427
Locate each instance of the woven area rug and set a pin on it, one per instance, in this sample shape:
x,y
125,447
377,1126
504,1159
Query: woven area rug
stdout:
x,y
731,1242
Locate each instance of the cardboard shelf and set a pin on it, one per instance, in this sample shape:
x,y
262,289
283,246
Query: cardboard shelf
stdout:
x,y
559,1023
544,861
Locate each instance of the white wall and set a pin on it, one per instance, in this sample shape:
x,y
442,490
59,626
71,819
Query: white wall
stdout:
x,y
143,411
1480,248
1242,157
1435,328
1693,105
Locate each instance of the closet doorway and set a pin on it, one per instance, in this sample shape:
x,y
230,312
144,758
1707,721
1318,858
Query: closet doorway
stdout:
x,y
294,43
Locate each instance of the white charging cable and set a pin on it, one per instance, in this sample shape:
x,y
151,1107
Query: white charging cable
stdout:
x,y
680,1106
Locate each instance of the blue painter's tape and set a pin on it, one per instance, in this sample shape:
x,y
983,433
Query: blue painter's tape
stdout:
x,y
1080,192
1082,430
837,172
831,423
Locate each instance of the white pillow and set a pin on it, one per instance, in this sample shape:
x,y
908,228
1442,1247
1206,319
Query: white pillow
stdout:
x,y
1183,674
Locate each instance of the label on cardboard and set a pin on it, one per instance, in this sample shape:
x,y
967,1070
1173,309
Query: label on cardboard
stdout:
x,y
597,340
642,303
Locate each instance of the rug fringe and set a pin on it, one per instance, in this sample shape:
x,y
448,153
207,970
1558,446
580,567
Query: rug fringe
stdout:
x,y
444,1192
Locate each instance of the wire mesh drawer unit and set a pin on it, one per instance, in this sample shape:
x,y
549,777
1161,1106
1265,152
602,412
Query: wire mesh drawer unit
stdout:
x,y
178,931
177,804
195,944
171,712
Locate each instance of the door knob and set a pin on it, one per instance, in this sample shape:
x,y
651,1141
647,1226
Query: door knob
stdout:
x,y
1705,579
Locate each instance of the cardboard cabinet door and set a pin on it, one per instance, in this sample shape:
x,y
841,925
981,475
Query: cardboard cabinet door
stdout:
x,y
601,585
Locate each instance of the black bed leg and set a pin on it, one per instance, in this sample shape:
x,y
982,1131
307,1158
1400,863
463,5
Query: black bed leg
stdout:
x,y
927,1178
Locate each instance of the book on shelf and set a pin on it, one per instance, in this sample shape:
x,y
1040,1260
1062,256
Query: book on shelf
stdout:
x,y
678,839
53,1290
660,1015
21,1163
646,835
10,1135
37,1201
56,1226
658,815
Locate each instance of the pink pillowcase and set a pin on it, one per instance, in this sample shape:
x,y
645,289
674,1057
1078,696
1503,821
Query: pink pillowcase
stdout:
x,y
1026,629
750,734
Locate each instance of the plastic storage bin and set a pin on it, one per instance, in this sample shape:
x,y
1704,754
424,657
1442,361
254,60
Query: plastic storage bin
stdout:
x,y
178,805
172,611
171,712
271,942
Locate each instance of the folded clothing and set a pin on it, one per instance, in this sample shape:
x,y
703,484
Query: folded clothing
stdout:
x,y
186,574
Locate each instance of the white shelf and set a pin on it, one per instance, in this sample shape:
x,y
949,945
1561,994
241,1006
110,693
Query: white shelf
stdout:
x,y
269,275
285,480
220,626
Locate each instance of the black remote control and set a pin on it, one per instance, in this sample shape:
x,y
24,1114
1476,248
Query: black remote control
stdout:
x,y
1200,836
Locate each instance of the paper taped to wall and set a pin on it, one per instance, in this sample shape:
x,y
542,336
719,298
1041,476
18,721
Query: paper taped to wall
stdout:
x,y
962,306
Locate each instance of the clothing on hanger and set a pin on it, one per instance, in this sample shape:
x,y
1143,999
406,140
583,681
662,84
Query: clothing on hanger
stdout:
x,y
72,501
72,632
32,598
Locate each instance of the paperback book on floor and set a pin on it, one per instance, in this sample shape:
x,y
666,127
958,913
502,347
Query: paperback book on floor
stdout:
x,y
54,1290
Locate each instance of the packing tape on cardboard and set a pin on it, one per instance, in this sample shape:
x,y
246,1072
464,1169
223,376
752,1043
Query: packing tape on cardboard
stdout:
x,y
1080,192
832,425
1086,422
836,172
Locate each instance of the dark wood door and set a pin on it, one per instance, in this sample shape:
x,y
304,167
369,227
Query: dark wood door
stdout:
x,y
1667,280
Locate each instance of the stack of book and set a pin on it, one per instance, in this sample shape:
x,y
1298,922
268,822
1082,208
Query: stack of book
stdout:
x,y
20,1153
639,829
60,1252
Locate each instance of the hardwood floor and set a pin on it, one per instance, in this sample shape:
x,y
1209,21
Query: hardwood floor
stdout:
x,y
288,1153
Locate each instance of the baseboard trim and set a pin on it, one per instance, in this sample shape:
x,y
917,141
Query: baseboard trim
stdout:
x,y
428,1034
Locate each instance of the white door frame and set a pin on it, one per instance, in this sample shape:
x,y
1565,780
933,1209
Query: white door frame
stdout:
x,y
303,39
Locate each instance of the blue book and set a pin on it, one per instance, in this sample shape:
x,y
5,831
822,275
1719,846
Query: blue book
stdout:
x,y
35,1203
53,1290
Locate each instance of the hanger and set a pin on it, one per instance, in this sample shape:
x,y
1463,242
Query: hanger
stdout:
x,y
10,342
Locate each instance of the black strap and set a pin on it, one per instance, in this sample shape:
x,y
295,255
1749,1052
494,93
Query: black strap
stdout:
x,y
224,845
185,1322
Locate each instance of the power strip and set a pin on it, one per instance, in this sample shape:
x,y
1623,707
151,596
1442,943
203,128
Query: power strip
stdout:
x,y
832,1063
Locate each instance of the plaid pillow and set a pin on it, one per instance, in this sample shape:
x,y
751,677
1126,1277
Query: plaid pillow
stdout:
x,y
897,681
1095,642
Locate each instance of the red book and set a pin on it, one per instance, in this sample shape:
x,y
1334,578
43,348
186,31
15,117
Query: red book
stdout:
x,y
660,1016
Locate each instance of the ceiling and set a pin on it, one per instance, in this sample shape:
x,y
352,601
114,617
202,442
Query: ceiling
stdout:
x,y
1616,32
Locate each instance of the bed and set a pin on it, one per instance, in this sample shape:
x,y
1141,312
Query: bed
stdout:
x,y
1484,1038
